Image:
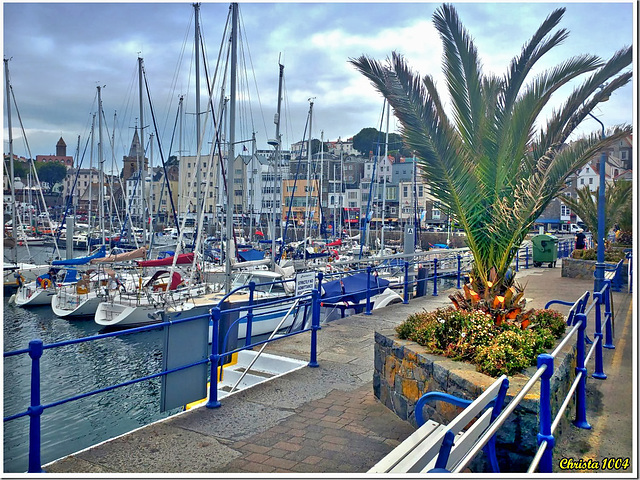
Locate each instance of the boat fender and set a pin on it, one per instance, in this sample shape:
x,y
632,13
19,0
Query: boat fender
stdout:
x,y
12,299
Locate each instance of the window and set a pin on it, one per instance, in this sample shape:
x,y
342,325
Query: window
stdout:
x,y
564,210
582,181
405,191
591,181
420,190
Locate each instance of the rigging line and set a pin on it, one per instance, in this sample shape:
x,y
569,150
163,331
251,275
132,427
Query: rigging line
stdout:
x,y
73,188
293,190
111,177
176,73
155,125
363,229
255,81
33,165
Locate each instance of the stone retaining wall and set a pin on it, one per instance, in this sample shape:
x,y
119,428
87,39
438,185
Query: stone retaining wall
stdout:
x,y
578,268
404,371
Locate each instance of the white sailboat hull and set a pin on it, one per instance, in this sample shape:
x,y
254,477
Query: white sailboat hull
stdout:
x,y
70,305
135,310
111,314
30,295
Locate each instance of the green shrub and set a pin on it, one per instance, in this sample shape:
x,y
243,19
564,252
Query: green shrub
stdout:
x,y
550,319
610,255
472,336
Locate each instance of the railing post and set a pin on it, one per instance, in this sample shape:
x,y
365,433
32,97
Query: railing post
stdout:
x,y
581,390
315,326
320,278
406,283
214,358
35,409
608,315
526,256
544,434
368,302
459,274
252,289
517,260
435,277
597,334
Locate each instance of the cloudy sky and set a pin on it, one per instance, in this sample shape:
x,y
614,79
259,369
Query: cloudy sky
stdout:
x,y
61,52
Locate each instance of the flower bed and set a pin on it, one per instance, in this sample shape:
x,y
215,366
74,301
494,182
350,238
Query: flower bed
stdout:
x,y
475,337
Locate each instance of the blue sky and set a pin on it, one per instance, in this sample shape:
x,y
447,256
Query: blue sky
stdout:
x,y
60,53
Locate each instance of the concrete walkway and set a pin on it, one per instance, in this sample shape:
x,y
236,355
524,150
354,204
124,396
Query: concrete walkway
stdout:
x,y
327,420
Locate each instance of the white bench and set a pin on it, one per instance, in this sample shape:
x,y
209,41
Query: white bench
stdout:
x,y
615,275
438,448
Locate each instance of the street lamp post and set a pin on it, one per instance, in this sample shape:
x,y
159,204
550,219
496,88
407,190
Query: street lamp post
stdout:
x,y
599,273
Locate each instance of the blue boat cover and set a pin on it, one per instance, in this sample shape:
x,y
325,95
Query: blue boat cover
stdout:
x,y
249,255
81,260
353,288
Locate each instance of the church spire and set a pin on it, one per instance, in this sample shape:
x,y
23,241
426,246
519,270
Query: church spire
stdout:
x,y
135,145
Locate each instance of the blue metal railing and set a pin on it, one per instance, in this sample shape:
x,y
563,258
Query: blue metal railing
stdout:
x,y
577,319
36,349
440,268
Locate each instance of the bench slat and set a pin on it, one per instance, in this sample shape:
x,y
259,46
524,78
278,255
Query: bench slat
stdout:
x,y
406,447
465,441
424,452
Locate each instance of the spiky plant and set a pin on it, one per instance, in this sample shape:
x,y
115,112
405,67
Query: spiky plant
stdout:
x,y
489,161
616,197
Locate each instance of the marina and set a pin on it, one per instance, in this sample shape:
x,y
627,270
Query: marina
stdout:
x,y
187,257
73,369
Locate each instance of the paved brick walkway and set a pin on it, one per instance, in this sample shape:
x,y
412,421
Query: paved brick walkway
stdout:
x,y
345,432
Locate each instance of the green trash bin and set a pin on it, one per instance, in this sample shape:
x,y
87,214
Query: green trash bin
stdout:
x,y
545,250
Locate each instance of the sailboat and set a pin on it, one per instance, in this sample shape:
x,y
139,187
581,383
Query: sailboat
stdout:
x,y
83,298
61,274
15,274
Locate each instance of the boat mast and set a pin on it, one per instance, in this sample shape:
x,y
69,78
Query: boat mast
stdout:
x,y
181,201
140,154
93,137
101,172
150,176
196,7
342,202
276,167
14,229
308,212
232,139
321,218
384,180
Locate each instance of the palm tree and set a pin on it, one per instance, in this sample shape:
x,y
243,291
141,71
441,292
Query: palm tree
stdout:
x,y
493,161
617,197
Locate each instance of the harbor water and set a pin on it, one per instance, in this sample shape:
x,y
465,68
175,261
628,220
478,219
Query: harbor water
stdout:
x,y
72,370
